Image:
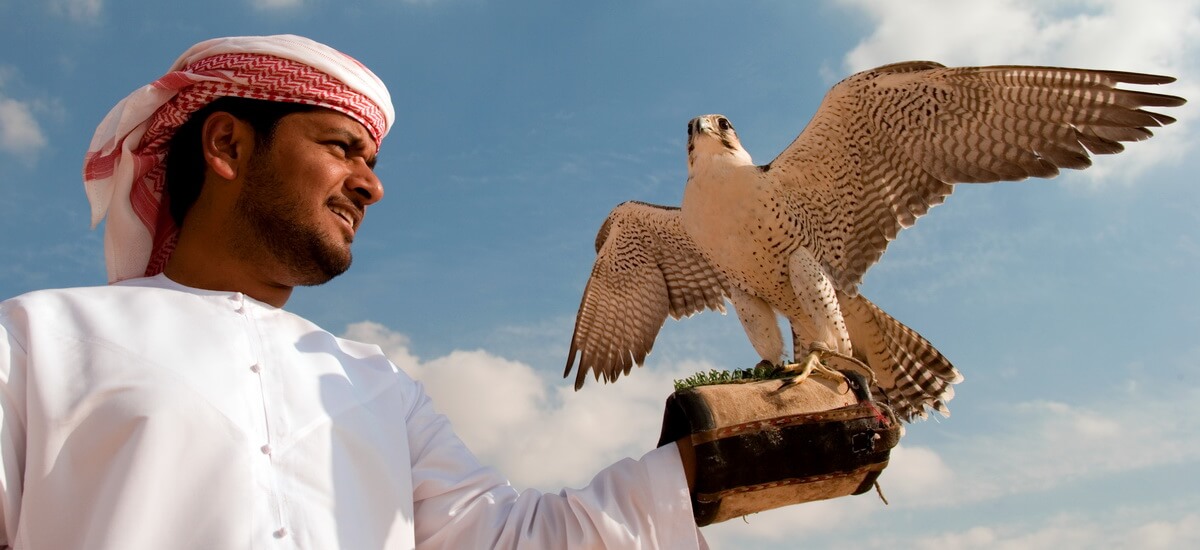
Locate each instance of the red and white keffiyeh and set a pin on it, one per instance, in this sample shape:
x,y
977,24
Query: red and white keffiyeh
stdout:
x,y
124,172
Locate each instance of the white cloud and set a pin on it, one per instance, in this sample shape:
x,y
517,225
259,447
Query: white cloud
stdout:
x,y
1153,36
912,473
1158,36
493,402
1073,532
79,10
1164,534
954,33
276,4
792,525
1056,443
20,132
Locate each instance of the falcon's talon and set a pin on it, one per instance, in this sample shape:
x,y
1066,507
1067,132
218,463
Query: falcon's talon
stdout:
x,y
812,365
855,364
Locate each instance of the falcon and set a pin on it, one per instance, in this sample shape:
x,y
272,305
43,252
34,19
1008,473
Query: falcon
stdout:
x,y
795,237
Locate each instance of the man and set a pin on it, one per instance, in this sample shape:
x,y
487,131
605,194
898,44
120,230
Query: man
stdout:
x,y
180,407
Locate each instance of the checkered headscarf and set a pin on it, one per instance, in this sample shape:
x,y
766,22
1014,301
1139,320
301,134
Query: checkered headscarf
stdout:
x,y
123,171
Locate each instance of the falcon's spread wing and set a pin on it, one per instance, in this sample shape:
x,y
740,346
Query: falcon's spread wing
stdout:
x,y
887,144
646,268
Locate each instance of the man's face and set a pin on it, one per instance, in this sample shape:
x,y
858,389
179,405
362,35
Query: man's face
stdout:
x,y
305,195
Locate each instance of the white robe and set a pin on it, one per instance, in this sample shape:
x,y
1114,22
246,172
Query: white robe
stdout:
x,y
148,415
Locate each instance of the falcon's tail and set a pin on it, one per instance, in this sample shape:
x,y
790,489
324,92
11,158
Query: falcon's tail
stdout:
x,y
911,373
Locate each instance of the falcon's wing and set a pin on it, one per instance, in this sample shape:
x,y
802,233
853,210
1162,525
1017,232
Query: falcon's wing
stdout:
x,y
887,143
646,268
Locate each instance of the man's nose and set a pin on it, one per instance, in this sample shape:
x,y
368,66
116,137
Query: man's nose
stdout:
x,y
365,184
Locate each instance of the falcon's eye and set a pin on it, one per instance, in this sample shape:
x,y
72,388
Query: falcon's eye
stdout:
x,y
689,129
724,124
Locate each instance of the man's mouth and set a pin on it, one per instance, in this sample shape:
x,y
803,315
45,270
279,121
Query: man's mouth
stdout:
x,y
349,215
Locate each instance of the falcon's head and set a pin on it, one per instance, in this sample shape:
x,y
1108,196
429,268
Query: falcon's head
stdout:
x,y
711,138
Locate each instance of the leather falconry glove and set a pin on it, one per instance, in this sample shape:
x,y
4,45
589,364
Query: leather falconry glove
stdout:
x,y
770,443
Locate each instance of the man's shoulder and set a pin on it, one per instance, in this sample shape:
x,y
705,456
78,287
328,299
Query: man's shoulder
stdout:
x,y
136,285
49,296
64,307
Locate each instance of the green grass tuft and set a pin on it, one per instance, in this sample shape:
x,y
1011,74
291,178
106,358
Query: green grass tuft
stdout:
x,y
762,371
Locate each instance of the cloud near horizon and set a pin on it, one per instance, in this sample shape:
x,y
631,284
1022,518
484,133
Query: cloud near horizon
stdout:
x,y
1070,531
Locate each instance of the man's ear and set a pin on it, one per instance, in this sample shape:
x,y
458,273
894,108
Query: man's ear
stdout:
x,y
227,142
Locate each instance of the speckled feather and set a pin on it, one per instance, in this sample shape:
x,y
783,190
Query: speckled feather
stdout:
x,y
646,269
886,144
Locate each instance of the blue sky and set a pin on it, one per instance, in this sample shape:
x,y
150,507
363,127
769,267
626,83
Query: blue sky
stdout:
x,y
1070,305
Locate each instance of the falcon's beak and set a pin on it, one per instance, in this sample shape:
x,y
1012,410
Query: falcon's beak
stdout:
x,y
699,125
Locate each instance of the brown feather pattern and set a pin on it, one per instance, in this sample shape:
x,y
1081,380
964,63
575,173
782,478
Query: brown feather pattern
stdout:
x,y
646,269
900,135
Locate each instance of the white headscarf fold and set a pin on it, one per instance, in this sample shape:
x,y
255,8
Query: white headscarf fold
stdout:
x,y
124,172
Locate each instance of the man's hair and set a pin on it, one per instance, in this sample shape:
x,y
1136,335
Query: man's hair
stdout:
x,y
185,163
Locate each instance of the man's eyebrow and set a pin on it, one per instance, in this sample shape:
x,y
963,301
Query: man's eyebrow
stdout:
x,y
355,141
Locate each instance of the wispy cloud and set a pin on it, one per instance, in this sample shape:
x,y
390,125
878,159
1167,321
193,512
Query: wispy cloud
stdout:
x,y
1072,531
20,133
79,10
1057,443
1153,36
267,5
1160,37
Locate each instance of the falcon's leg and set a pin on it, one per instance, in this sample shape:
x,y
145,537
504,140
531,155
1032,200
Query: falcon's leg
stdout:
x,y
820,316
760,324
